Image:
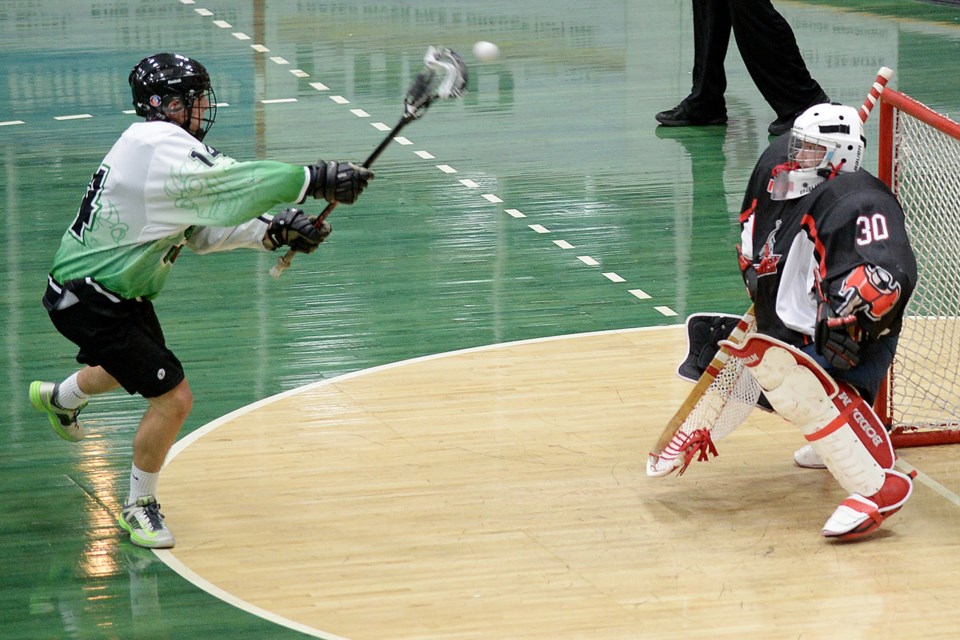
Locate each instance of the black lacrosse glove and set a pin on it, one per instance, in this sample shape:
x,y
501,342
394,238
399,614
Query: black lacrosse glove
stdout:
x,y
339,181
834,337
294,228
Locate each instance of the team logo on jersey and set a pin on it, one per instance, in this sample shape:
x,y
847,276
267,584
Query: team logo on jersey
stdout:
x,y
768,259
869,289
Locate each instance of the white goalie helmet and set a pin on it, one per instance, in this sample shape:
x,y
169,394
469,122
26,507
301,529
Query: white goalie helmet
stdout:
x,y
826,139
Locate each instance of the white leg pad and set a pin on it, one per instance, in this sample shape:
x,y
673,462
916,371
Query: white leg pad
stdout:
x,y
840,426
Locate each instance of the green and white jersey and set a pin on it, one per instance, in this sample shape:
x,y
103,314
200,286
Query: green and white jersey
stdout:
x,y
159,189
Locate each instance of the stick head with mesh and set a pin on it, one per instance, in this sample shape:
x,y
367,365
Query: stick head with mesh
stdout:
x,y
444,75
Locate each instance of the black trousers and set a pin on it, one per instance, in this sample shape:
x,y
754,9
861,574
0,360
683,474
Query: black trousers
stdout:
x,y
769,51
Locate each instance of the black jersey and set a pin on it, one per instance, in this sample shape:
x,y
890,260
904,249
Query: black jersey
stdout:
x,y
809,244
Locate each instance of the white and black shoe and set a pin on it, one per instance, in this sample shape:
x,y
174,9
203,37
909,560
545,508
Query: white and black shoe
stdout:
x,y
144,522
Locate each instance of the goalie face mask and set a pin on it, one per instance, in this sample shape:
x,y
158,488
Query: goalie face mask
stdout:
x,y
826,139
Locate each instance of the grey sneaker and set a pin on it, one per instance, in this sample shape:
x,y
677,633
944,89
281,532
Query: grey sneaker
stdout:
x,y
144,522
43,397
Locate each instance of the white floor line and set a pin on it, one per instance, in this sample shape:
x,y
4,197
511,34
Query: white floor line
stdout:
x,y
930,482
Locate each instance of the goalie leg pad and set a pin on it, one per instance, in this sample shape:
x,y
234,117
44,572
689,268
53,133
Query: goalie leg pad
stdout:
x,y
840,426
854,444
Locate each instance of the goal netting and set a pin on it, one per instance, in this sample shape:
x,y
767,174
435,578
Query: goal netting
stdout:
x,y
920,161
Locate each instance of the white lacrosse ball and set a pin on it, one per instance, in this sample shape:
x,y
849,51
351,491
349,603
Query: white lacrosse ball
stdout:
x,y
486,51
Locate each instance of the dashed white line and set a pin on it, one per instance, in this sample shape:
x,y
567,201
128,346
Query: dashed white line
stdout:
x,y
426,155
9,123
79,116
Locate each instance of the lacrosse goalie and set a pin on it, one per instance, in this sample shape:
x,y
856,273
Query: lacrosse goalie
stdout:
x,y
826,260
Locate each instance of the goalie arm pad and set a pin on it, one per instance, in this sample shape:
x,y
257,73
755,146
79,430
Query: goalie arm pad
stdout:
x,y
839,424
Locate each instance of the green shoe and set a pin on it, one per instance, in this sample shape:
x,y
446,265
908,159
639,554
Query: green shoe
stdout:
x,y
144,522
64,421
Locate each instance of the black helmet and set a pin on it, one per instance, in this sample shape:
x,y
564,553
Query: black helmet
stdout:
x,y
160,79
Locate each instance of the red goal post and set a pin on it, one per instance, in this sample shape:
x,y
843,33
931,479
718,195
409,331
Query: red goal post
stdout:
x,y
919,158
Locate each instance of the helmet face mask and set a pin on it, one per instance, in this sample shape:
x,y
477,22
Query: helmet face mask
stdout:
x,y
826,139
176,89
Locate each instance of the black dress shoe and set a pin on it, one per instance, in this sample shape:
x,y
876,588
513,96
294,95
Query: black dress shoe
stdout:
x,y
680,117
784,123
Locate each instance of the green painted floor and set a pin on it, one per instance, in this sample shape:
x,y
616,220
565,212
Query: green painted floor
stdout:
x,y
560,130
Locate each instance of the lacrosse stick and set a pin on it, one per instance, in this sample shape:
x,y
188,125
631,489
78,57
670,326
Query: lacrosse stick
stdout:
x,y
444,75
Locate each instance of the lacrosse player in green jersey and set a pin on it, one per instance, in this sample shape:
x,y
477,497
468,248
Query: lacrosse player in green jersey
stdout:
x,y
158,190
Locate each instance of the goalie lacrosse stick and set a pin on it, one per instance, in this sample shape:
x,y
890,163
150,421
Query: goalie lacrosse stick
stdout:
x,y
676,448
444,75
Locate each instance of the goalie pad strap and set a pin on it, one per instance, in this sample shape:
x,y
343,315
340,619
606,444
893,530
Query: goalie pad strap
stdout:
x,y
832,426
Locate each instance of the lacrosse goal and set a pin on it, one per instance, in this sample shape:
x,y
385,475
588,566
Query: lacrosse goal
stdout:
x,y
920,161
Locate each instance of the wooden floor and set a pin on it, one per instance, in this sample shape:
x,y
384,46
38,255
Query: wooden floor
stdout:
x,y
501,492
497,491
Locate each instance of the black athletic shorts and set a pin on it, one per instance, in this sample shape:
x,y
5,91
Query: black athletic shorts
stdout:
x,y
125,339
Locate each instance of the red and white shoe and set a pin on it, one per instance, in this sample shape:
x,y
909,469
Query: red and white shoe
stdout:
x,y
857,516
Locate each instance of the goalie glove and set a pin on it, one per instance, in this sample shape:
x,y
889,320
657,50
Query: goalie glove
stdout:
x,y
835,337
294,228
338,181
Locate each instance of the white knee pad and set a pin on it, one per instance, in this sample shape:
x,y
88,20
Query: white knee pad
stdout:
x,y
842,428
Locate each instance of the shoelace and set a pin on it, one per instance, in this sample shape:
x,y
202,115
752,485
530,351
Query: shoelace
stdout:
x,y
154,517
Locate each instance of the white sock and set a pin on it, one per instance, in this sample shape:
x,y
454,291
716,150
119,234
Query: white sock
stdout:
x,y
69,395
142,484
